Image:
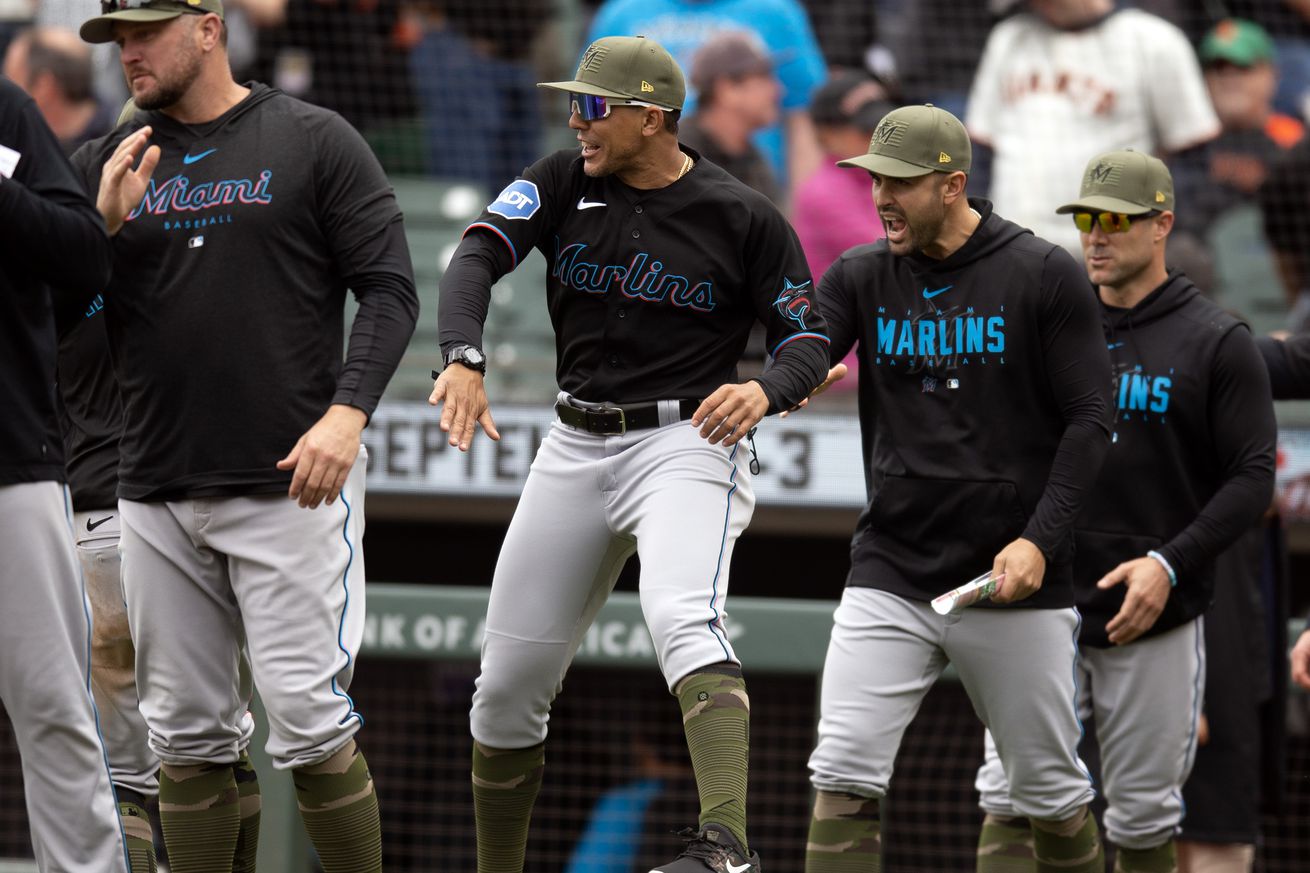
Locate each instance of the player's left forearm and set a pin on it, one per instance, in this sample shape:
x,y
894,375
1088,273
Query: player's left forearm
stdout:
x,y
799,368
388,312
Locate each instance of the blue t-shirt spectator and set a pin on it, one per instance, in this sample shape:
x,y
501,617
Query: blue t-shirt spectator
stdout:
x,y
682,26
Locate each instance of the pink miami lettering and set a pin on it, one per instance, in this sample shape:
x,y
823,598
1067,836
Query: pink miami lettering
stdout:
x,y
178,195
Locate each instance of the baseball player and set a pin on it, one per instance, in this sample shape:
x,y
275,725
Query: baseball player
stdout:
x,y
52,237
659,264
983,409
90,420
1190,469
240,218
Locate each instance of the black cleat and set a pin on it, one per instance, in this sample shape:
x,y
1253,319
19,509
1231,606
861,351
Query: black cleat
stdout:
x,y
713,848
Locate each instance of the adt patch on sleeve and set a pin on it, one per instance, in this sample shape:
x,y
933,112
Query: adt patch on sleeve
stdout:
x,y
519,201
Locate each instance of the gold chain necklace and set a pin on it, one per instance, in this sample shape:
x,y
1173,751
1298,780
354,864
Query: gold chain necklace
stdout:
x,y
687,163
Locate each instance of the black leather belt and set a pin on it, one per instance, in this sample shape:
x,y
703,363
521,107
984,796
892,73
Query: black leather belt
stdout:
x,y
618,420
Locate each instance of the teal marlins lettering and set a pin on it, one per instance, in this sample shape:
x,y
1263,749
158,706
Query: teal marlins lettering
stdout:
x,y
925,337
641,279
177,194
1139,392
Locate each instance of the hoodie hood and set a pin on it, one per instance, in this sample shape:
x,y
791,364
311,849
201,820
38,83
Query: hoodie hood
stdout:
x,y
991,234
1172,294
259,93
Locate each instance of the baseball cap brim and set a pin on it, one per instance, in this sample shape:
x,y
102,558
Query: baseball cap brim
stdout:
x,y
892,168
1098,203
101,28
576,87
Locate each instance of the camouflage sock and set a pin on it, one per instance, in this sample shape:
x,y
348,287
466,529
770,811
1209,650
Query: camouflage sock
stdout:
x,y
1006,845
1161,859
1069,846
249,803
137,832
200,816
716,715
340,811
844,835
505,785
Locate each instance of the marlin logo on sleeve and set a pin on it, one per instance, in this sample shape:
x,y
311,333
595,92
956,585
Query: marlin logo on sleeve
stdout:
x,y
518,202
792,302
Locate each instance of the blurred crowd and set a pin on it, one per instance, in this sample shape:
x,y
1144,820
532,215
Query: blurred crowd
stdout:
x,y
446,89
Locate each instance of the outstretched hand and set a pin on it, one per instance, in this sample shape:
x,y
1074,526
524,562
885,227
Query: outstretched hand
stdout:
x,y
462,391
121,187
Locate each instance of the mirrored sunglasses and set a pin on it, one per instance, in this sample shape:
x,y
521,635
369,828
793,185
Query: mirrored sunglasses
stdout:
x,y
589,107
1110,222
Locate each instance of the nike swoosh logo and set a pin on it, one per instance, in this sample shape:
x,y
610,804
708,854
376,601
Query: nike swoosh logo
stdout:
x,y
191,159
928,295
741,869
584,204
92,525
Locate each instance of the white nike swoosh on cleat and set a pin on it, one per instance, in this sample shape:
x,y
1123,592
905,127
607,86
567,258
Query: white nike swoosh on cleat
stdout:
x,y
584,204
741,869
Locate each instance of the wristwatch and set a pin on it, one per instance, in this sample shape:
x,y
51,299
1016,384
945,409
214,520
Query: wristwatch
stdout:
x,y
469,356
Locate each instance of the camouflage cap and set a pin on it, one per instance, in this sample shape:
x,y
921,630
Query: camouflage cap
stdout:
x,y
1124,181
915,141
101,28
628,68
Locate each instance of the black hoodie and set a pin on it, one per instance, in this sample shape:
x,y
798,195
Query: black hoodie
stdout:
x,y
983,406
225,310
1191,464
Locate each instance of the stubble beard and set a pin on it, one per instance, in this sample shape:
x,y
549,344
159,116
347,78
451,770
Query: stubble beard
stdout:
x,y
169,90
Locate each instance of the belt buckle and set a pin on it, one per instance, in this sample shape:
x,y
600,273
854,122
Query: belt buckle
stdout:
x,y
599,424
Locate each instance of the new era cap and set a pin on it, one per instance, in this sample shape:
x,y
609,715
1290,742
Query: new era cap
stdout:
x,y
101,28
1124,181
1237,41
914,141
628,68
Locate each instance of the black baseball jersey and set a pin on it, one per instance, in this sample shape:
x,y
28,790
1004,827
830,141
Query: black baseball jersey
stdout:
x,y
1191,468
225,310
53,238
652,293
983,406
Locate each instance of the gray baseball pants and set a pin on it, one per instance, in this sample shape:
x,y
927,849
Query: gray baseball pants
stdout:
x,y
1017,666
589,503
113,659
45,630
203,577
1146,699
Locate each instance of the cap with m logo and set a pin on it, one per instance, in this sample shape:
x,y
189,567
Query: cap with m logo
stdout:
x,y
627,68
914,141
1124,181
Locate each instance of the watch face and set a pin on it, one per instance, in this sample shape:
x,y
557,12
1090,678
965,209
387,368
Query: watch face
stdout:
x,y
473,356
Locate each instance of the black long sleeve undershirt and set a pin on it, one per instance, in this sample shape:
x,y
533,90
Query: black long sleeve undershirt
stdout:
x,y
1242,430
